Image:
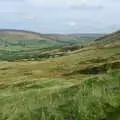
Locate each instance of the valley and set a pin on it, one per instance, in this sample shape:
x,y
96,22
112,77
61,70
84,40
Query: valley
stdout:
x,y
59,77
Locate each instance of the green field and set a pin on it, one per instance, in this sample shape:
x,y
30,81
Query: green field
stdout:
x,y
83,84
20,45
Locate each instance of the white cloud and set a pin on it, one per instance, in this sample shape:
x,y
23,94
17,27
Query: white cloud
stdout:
x,y
45,2
61,15
80,2
28,17
59,2
84,4
72,23
86,7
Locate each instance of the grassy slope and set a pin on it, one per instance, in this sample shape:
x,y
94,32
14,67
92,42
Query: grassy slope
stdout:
x,y
41,90
112,39
55,89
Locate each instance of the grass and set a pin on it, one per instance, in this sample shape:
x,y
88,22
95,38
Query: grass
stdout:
x,y
93,98
41,90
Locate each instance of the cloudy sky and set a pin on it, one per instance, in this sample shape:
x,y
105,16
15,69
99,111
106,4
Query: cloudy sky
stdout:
x,y
61,16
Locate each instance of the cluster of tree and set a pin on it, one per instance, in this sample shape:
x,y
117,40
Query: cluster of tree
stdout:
x,y
16,56
72,48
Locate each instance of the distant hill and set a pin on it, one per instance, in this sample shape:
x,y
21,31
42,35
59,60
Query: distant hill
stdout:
x,y
11,34
20,44
28,39
19,35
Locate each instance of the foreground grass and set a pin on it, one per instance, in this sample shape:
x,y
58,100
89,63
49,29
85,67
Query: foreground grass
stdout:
x,y
95,98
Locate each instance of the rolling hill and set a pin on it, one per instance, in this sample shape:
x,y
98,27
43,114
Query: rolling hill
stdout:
x,y
19,44
12,34
115,36
83,84
112,39
19,35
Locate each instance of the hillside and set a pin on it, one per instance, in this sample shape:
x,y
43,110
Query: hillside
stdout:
x,y
110,39
19,44
29,35
19,35
82,84
115,36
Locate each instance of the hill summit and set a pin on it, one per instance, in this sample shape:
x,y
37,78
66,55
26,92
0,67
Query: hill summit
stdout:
x,y
10,34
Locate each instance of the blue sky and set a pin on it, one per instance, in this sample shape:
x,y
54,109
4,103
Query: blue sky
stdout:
x,y
61,16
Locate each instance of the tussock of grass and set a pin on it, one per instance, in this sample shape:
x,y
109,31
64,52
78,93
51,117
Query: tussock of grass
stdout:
x,y
102,68
92,99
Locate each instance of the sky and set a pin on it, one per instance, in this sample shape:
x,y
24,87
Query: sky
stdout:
x,y
61,16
